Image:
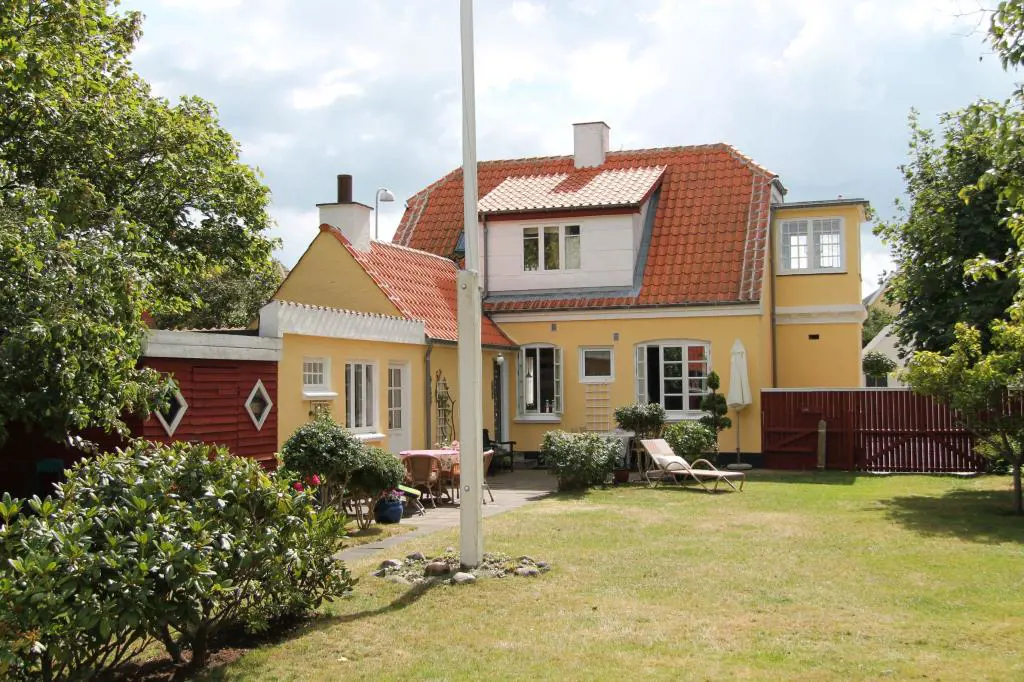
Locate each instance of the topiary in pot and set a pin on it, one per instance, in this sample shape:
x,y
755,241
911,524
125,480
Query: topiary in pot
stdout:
x,y
716,408
690,440
380,471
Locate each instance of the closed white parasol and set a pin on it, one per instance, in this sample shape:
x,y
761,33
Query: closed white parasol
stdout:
x,y
738,396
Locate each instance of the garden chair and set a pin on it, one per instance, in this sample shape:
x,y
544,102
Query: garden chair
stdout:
x,y
667,464
453,478
423,472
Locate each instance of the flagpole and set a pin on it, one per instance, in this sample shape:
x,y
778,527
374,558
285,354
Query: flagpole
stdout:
x,y
471,539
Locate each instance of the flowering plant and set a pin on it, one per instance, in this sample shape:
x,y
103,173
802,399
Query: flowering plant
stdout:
x,y
393,495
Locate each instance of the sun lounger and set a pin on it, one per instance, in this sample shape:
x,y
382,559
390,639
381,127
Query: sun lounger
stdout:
x,y
667,464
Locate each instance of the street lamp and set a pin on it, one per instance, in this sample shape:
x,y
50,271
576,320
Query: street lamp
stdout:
x,y
385,195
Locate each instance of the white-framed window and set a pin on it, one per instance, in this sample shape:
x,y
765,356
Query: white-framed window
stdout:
x,y
552,247
674,374
597,365
539,380
811,245
360,396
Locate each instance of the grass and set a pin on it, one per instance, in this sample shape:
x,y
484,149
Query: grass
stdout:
x,y
801,577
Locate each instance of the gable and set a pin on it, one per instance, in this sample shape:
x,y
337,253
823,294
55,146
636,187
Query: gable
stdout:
x,y
327,275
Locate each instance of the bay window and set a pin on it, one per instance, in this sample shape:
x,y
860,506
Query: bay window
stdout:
x,y
552,247
539,379
673,374
812,245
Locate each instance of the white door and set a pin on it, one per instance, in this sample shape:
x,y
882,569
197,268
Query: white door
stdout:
x,y
399,426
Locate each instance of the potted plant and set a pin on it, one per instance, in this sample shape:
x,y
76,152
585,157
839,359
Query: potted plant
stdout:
x,y
390,506
716,408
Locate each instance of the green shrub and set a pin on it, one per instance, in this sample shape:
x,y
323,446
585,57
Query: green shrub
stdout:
x,y
380,471
579,460
646,420
690,440
167,542
324,448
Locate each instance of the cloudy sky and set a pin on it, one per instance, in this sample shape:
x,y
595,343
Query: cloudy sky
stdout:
x,y
816,91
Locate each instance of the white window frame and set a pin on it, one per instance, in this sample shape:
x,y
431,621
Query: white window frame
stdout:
x,y
369,396
605,379
640,374
538,414
321,391
814,227
562,250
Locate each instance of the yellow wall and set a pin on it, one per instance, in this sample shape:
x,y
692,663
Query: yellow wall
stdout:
x,y
571,335
328,276
293,408
792,290
831,361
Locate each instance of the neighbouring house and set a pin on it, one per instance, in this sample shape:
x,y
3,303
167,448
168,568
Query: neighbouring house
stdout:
x,y
369,334
629,275
884,342
225,393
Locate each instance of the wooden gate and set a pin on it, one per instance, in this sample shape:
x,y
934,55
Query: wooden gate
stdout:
x,y
867,429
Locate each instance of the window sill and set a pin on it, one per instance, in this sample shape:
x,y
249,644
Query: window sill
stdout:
x,y
369,436
538,419
319,395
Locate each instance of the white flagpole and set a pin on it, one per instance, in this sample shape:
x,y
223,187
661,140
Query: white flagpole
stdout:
x,y
471,537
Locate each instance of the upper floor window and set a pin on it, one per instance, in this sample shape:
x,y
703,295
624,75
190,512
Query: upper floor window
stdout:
x,y
674,374
553,247
360,396
811,245
539,370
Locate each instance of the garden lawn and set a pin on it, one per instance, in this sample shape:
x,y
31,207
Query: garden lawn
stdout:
x,y
800,577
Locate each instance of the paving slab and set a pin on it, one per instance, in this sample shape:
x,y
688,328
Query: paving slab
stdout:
x,y
511,491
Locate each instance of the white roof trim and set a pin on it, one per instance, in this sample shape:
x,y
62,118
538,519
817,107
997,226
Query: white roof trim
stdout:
x,y
168,343
819,314
278,318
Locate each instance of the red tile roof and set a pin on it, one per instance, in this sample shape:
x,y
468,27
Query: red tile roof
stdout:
x,y
582,188
709,235
421,285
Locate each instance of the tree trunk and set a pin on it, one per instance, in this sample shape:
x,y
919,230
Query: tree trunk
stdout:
x,y
1018,501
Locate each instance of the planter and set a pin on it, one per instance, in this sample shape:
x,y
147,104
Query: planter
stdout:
x,y
621,475
388,511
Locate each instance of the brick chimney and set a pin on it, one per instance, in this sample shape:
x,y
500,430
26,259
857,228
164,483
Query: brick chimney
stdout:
x,y
351,217
590,143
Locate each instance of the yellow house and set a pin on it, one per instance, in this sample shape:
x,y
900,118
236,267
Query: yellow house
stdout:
x,y
369,334
630,275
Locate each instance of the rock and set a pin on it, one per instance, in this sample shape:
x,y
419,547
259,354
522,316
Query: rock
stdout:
x,y
436,568
416,556
391,563
461,578
398,580
527,572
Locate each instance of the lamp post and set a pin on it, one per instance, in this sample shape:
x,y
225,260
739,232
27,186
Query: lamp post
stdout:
x,y
385,195
471,538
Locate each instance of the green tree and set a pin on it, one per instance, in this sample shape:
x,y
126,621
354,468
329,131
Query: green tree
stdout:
x,y
115,202
983,387
938,232
878,318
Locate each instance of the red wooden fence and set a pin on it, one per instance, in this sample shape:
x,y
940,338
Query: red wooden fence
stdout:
x,y
867,429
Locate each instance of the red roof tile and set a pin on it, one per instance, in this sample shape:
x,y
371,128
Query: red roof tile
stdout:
x,y
709,235
421,285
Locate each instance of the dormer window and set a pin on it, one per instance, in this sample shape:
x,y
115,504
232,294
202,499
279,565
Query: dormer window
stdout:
x,y
812,245
552,247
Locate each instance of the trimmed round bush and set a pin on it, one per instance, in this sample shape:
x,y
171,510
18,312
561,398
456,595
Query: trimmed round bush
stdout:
x,y
579,460
690,440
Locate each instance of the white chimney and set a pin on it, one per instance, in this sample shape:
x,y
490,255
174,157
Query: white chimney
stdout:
x,y
590,143
352,218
